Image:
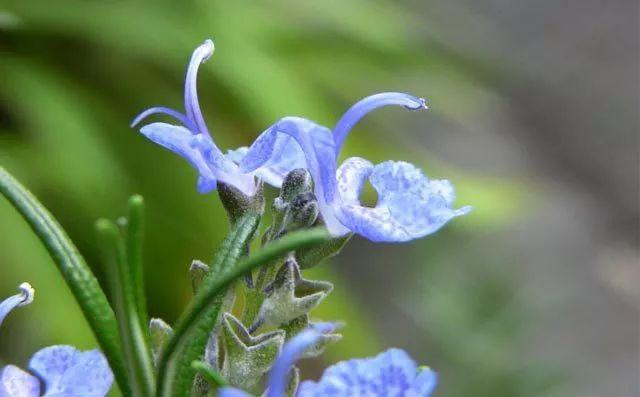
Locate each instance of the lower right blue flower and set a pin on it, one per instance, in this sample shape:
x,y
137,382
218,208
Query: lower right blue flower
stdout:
x,y
392,373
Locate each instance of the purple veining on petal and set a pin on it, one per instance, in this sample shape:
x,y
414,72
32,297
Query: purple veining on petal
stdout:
x,y
368,104
70,372
392,373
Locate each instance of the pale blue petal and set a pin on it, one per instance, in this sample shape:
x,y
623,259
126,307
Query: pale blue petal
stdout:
x,y
181,141
215,159
426,382
15,382
68,372
368,104
317,145
352,175
390,374
232,392
291,352
397,372
286,156
264,173
236,155
191,104
23,298
409,205
164,110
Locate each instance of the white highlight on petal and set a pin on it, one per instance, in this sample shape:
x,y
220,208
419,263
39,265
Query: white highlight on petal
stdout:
x,y
15,382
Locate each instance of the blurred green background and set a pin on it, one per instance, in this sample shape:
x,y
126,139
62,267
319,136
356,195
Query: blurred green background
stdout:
x,y
533,294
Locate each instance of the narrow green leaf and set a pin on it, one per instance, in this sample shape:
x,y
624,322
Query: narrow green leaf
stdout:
x,y
207,302
74,270
190,336
213,377
133,335
135,243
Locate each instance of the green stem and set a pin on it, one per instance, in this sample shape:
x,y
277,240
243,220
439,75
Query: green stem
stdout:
x,y
74,270
207,299
135,243
213,377
133,335
255,296
175,373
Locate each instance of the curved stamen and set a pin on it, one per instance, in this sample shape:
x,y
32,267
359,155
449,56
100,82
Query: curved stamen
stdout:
x,y
191,104
163,110
25,297
366,105
292,352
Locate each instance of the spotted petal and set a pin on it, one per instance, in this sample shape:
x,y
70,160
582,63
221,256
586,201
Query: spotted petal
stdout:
x,y
66,371
15,382
392,374
181,141
409,205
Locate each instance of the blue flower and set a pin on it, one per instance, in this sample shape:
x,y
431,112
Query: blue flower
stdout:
x,y
409,204
63,370
390,374
192,140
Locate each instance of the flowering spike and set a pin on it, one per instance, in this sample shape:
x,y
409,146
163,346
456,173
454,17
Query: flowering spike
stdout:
x,y
23,298
368,104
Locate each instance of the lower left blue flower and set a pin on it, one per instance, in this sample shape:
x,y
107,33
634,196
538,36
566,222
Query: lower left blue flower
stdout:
x,y
61,370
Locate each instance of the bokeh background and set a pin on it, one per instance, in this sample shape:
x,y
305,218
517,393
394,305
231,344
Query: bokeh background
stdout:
x,y
534,118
